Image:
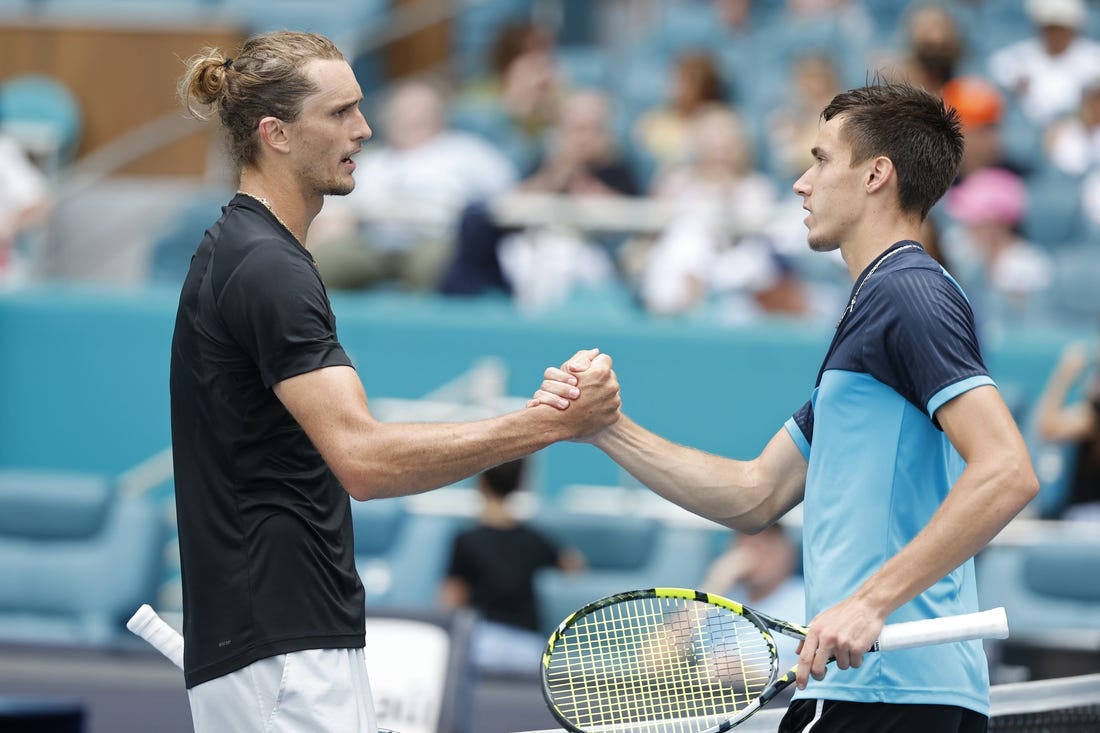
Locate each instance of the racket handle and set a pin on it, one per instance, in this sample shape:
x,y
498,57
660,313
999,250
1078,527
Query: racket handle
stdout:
x,y
992,624
149,626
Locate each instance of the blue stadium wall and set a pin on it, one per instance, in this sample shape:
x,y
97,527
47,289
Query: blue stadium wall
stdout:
x,y
84,372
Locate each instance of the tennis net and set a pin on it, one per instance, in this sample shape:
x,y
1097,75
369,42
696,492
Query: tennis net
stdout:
x,y
1064,705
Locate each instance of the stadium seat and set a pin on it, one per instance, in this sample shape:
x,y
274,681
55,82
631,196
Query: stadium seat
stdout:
x,y
585,66
401,555
622,553
1073,297
474,30
1051,593
76,557
43,113
1054,216
170,252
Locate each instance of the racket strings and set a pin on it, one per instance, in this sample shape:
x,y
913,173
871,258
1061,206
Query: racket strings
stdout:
x,y
658,665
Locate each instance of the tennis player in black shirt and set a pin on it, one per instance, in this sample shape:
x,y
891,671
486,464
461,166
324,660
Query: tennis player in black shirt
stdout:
x,y
271,431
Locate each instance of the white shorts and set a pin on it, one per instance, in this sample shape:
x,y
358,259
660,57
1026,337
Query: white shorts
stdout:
x,y
309,691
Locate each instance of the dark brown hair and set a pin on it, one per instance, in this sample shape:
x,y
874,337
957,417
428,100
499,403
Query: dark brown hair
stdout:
x,y
912,128
703,77
504,479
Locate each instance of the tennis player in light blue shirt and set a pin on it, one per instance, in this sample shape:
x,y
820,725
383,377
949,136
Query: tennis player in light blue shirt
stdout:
x,y
880,467
906,456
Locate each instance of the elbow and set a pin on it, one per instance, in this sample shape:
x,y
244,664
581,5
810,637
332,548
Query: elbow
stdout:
x,y
360,493
1023,483
753,520
362,482
1030,485
750,523
765,497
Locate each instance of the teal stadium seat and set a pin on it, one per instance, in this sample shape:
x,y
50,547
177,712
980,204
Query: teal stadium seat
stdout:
x,y
1073,296
585,67
343,22
401,555
623,553
171,251
76,557
474,30
43,112
1051,593
1054,217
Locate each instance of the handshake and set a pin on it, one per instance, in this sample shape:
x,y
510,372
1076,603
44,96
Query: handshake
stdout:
x,y
583,393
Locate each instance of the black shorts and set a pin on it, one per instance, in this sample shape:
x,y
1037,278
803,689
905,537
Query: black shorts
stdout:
x,y
880,717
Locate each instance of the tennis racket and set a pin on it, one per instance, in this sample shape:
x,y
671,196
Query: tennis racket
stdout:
x,y
149,626
672,660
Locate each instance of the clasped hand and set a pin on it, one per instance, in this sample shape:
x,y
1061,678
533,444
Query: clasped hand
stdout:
x,y
585,383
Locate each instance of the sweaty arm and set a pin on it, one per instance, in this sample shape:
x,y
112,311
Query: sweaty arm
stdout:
x,y
743,495
997,483
375,459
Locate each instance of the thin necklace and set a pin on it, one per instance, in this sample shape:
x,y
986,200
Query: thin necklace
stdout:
x,y
269,207
852,303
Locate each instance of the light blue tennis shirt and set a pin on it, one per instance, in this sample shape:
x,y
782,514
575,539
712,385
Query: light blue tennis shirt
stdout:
x,y
880,466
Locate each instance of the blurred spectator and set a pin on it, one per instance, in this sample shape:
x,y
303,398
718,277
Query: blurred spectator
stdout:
x,y
761,571
1047,72
492,569
981,110
1076,424
934,48
711,249
516,103
539,265
999,269
735,16
398,224
792,128
663,133
1073,142
25,202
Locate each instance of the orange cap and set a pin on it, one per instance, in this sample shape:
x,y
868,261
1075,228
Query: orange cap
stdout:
x,y
977,100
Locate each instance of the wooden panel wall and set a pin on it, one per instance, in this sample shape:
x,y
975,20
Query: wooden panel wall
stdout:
x,y
122,78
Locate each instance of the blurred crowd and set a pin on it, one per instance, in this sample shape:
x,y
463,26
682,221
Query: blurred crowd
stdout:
x,y
709,119
688,138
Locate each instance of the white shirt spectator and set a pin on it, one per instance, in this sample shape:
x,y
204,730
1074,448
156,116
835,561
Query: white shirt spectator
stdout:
x,y
24,194
1047,84
440,176
22,186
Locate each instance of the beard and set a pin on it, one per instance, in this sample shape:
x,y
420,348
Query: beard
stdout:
x,y
822,244
339,188
938,61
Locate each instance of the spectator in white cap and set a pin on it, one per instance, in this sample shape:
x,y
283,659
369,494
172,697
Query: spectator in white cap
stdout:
x,y
1047,72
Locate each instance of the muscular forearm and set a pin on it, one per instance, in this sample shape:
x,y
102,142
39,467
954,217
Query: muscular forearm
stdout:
x,y
375,459
743,495
397,459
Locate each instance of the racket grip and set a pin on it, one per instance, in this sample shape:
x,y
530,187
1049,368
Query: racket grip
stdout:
x,y
149,626
992,624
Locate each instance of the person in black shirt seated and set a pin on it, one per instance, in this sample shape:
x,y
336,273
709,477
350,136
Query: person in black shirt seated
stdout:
x,y
492,571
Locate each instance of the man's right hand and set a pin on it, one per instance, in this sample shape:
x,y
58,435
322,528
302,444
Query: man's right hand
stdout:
x,y
585,390
559,384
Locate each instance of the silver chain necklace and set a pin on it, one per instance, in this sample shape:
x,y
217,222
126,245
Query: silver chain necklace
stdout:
x,y
852,303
